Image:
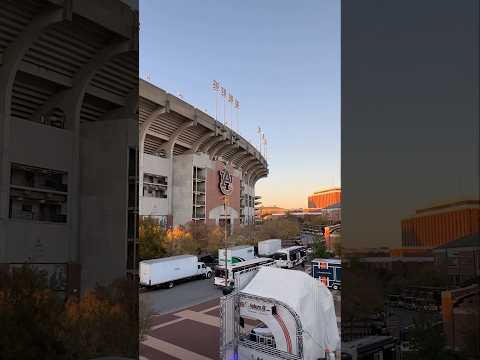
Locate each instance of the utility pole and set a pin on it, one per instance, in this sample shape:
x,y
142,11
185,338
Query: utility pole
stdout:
x,y
225,187
225,200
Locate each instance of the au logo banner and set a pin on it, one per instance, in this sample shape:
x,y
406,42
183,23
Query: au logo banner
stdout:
x,y
226,182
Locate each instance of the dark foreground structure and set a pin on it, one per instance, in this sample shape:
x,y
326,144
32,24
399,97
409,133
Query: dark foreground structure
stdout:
x,y
69,139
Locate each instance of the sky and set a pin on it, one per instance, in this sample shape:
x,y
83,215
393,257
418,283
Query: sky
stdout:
x,y
279,58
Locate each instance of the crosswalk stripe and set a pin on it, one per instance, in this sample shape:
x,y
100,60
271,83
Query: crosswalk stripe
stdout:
x,y
199,317
159,326
172,350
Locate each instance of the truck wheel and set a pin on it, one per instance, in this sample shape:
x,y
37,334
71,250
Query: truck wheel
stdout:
x,y
170,284
208,275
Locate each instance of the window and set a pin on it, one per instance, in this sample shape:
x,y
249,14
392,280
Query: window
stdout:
x,y
38,194
155,186
280,256
40,178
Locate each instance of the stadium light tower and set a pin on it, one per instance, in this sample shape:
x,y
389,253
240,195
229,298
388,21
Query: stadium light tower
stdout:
x,y
259,132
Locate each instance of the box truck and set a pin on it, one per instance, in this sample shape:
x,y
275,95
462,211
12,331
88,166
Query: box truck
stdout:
x,y
166,271
269,247
236,254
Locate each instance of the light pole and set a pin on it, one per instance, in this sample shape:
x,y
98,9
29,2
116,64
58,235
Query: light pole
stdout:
x,y
225,243
226,188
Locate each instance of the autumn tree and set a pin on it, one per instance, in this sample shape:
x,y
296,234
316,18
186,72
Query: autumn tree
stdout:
x,y
281,228
26,302
317,220
103,322
206,238
152,239
179,241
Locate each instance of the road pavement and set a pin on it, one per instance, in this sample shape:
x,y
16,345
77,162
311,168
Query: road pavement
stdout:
x,y
182,295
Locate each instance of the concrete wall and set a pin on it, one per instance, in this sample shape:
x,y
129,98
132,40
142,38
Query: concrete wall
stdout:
x,y
182,189
104,189
34,240
249,211
157,166
217,213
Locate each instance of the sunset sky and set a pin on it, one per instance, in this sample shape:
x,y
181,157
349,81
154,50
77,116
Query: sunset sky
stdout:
x,y
281,59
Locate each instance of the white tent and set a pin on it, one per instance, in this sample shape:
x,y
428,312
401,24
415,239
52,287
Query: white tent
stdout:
x,y
309,298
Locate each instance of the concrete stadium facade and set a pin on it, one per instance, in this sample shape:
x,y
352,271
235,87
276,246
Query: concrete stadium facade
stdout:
x,y
183,152
68,138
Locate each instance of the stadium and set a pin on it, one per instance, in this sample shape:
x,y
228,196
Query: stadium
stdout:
x,y
189,161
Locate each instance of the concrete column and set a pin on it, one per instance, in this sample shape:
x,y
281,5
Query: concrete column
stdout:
x,y
11,60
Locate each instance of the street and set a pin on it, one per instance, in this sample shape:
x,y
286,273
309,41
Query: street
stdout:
x,y
183,295
186,324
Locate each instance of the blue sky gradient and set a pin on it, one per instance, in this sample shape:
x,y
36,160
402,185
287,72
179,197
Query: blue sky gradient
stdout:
x,y
280,58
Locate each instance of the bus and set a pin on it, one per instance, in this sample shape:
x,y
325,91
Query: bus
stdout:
x,y
328,271
290,257
234,269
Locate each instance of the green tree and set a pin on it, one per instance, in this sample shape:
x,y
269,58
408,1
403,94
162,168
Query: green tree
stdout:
x,y
319,248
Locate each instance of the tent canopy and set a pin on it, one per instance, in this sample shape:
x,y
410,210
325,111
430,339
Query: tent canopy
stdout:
x,y
309,298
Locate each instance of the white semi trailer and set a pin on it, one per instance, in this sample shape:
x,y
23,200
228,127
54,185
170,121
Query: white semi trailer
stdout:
x,y
236,254
269,247
171,269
